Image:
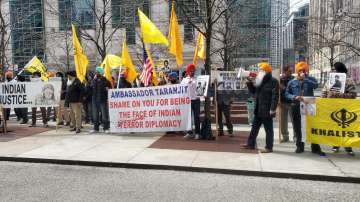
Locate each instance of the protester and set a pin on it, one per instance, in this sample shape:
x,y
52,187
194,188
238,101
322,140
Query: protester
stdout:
x,y
173,78
301,86
23,112
73,99
190,80
87,103
100,101
223,107
8,78
266,90
123,83
285,104
36,76
62,111
350,93
51,74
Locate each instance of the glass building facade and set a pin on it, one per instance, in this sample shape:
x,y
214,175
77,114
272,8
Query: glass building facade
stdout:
x,y
252,24
79,12
124,15
27,30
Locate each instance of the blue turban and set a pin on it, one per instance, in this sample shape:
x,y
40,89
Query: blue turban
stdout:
x,y
100,70
173,75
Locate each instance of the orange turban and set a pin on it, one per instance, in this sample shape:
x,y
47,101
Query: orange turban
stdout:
x,y
301,66
51,74
265,67
9,74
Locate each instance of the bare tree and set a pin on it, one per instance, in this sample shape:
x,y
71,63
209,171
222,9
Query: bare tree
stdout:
x,y
4,35
333,34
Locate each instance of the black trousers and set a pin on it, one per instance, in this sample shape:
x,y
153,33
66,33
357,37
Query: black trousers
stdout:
x,y
23,113
269,130
195,109
224,109
296,116
43,115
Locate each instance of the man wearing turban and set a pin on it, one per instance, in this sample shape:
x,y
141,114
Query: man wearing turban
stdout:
x,y
303,85
266,90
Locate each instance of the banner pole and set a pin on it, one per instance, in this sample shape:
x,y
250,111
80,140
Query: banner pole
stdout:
x,y
120,69
280,110
216,111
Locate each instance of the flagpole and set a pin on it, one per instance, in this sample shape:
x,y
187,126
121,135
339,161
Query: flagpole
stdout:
x,y
120,69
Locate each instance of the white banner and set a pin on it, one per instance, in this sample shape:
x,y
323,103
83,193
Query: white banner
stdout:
x,y
150,109
30,94
230,81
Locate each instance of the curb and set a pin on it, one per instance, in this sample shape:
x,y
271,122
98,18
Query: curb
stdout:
x,y
188,169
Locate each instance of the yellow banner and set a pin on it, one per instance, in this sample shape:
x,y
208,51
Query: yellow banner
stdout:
x,y
336,123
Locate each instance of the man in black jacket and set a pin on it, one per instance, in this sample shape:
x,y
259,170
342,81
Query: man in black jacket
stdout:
x,y
62,111
266,90
74,97
100,100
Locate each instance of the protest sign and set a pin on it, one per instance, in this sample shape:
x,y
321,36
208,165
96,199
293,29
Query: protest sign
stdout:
x,y
336,122
231,80
202,85
337,82
151,109
30,94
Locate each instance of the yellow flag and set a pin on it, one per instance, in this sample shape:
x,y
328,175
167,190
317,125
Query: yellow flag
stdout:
x,y
200,48
126,61
334,122
110,62
150,33
154,79
176,44
35,65
80,59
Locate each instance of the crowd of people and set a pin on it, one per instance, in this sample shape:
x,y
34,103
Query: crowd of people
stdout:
x,y
86,102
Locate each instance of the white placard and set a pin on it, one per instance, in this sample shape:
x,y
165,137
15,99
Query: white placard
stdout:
x,y
337,82
231,80
202,85
150,109
30,94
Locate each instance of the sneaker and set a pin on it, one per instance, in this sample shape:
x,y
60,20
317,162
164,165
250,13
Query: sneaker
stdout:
x,y
299,150
188,136
72,130
61,123
245,146
24,122
32,125
78,131
93,131
107,131
197,137
335,149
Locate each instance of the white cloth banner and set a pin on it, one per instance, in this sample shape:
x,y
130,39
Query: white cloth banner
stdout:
x,y
30,94
162,108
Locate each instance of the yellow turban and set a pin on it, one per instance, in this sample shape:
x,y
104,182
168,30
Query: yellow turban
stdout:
x,y
265,67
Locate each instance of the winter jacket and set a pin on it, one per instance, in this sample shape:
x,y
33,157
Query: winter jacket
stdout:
x,y
266,96
100,90
297,88
75,92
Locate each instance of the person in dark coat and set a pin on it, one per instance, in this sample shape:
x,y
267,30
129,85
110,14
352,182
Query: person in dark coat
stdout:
x,y
73,99
88,98
100,101
62,111
23,112
285,104
123,83
266,90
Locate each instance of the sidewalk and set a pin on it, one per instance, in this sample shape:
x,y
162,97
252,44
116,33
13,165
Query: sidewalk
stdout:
x,y
134,149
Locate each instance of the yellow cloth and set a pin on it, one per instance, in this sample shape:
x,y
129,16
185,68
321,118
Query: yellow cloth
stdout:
x,y
200,48
110,62
126,61
336,123
150,33
176,44
80,59
35,65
